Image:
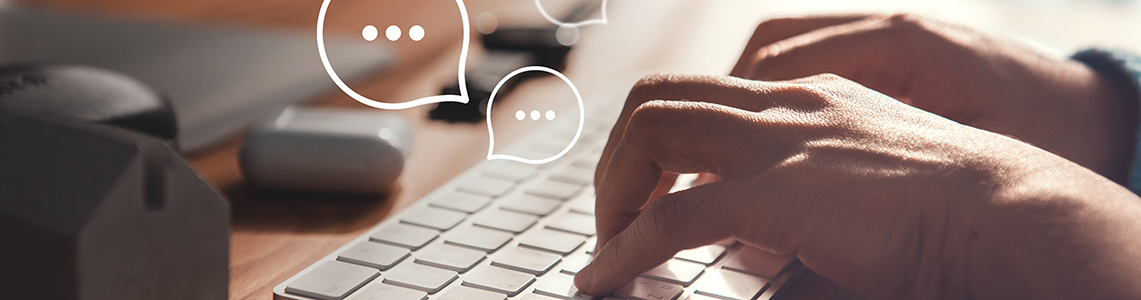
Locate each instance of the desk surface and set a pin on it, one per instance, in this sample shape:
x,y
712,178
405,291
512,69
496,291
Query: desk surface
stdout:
x,y
276,235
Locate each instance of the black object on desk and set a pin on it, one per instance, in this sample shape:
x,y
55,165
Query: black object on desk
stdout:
x,y
219,78
86,94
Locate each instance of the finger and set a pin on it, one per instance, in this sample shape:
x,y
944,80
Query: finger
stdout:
x,y
774,30
725,90
665,184
682,220
875,52
680,137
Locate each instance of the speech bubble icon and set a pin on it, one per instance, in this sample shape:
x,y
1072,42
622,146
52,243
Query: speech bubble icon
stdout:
x,y
535,115
600,20
567,33
393,33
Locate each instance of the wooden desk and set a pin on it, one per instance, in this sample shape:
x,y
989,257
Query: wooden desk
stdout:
x,y
276,235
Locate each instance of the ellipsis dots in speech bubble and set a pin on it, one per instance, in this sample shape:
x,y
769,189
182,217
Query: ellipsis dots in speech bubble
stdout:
x,y
461,98
491,132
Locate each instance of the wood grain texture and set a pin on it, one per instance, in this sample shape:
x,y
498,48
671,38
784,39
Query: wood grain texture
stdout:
x,y
274,234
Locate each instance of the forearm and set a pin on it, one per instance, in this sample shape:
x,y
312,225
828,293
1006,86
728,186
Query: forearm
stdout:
x,y
1060,232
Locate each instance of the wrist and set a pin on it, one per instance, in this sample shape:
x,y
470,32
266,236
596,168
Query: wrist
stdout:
x,y
1111,101
952,221
1055,233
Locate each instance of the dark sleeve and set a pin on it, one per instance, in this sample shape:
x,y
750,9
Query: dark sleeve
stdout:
x,y
1125,67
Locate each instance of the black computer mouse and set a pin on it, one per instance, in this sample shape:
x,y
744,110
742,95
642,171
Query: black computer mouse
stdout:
x,y
86,93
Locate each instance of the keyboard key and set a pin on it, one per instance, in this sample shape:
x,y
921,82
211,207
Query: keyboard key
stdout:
x,y
757,262
557,285
587,162
704,255
574,223
554,189
530,204
432,217
466,293
546,147
499,280
382,291
407,236
590,244
774,288
535,297
483,239
526,260
507,220
573,174
728,284
575,297
464,202
449,257
701,297
574,263
584,205
420,277
588,138
648,289
554,241
376,255
332,280
486,186
676,271
513,171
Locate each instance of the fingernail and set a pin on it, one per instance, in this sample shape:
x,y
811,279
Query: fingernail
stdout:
x,y
584,278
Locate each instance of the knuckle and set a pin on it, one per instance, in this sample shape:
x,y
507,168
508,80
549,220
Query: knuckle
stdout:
x,y
771,24
648,88
825,84
829,78
815,89
905,19
646,118
906,23
767,61
666,217
643,89
652,82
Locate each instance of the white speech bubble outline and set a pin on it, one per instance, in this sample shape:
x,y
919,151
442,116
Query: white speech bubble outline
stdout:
x,y
461,98
491,132
603,20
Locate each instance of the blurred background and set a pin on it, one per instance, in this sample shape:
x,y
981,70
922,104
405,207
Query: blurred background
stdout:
x,y
274,236
643,36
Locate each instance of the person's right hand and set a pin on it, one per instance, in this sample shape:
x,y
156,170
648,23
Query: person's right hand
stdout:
x,y
876,195
990,83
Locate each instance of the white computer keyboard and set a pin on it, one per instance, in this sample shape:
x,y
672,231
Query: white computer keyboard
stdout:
x,y
506,230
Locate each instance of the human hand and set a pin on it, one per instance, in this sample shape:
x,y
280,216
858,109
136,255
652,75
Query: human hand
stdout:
x,y
990,83
876,195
